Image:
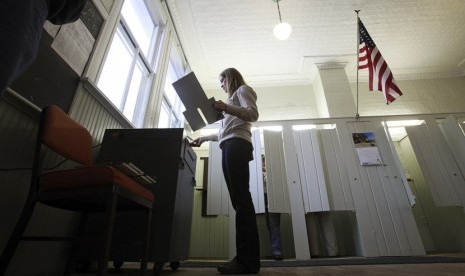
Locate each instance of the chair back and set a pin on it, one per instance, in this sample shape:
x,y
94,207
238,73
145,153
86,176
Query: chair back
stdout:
x,y
65,136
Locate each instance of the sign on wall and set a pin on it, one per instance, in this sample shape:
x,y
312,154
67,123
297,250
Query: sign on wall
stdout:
x,y
367,151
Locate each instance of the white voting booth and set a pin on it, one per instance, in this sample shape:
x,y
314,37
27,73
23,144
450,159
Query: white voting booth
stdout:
x,y
322,170
319,170
443,173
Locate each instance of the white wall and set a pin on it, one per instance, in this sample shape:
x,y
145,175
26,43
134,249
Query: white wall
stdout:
x,y
281,102
419,97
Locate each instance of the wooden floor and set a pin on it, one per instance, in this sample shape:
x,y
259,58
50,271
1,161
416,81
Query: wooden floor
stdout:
x,y
347,270
448,269
409,269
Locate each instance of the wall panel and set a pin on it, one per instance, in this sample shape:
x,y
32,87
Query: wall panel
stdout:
x,y
218,202
209,234
90,113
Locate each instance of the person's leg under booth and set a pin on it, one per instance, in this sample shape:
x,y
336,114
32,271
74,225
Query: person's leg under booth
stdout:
x,y
312,233
329,234
275,235
323,219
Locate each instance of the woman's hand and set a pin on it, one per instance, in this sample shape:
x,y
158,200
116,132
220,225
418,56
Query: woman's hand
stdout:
x,y
220,106
197,142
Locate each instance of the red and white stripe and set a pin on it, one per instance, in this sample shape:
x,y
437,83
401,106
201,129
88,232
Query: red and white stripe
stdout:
x,y
380,76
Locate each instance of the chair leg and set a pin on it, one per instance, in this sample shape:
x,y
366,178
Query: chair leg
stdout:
x,y
143,263
16,236
72,258
109,223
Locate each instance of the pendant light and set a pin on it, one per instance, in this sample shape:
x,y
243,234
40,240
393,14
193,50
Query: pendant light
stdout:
x,y
282,30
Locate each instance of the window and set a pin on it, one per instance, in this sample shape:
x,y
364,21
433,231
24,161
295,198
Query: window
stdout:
x,y
127,72
172,108
141,24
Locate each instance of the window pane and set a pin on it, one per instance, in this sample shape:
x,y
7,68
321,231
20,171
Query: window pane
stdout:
x,y
174,121
179,108
138,94
134,88
116,70
163,121
170,93
140,23
173,102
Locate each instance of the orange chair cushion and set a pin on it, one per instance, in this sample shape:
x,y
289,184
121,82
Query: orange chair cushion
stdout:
x,y
91,176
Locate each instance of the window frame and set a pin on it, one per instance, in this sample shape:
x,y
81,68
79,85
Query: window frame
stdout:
x,y
175,110
147,65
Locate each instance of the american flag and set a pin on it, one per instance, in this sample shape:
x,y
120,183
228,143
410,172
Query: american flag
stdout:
x,y
379,74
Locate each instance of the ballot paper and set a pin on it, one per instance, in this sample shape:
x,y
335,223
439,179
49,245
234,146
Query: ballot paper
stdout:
x,y
199,110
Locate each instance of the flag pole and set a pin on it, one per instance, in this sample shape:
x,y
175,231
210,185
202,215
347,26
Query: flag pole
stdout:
x,y
358,53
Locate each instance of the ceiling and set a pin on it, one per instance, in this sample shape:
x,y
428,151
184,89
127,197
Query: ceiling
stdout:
x,y
418,38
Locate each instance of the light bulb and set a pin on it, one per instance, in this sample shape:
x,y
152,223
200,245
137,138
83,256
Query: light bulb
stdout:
x,y
282,31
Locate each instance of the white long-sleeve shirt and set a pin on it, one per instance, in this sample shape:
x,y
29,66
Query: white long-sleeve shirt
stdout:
x,y
241,111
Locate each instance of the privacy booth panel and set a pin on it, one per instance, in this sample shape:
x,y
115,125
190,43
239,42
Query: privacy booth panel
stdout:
x,y
314,191
442,228
277,190
455,139
335,171
256,174
442,175
384,218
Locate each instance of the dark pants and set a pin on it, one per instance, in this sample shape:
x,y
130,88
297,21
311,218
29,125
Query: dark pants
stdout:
x,y
273,223
237,154
21,25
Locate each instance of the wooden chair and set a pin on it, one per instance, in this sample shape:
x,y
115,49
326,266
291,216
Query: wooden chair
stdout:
x,y
87,189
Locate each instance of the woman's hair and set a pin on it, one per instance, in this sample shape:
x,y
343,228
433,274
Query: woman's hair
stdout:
x,y
233,79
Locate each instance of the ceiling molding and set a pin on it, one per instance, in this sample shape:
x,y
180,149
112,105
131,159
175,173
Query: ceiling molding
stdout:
x,y
331,65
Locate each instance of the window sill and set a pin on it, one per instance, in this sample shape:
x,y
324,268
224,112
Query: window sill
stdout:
x,y
105,102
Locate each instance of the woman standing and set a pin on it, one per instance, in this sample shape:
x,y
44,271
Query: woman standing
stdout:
x,y
235,139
